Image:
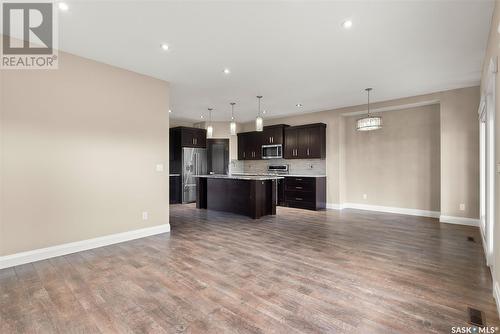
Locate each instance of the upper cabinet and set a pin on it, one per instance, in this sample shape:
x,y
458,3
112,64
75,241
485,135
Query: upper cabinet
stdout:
x,y
249,145
189,137
305,141
299,142
273,134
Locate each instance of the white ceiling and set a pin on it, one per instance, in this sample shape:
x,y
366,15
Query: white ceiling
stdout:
x,y
290,52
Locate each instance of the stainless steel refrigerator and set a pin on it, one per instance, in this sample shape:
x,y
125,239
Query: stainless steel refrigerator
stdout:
x,y
194,162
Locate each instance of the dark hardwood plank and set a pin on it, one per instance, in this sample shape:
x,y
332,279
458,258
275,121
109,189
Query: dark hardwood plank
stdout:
x,y
297,272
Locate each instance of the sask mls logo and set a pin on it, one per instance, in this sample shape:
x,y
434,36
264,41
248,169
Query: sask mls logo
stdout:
x,y
28,35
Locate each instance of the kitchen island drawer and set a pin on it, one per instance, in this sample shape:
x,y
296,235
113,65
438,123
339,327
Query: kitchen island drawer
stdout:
x,y
300,196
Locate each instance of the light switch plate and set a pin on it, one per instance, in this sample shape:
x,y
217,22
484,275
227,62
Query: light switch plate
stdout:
x,y
144,215
159,167
498,168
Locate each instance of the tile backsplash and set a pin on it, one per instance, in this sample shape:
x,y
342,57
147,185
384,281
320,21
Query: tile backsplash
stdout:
x,y
296,166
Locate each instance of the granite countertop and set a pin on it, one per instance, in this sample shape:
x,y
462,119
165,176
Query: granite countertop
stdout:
x,y
242,177
282,175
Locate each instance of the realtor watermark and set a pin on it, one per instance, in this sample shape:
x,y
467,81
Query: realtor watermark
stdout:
x,y
29,35
474,330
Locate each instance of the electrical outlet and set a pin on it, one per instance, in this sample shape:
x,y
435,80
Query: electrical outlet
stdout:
x,y
159,167
365,196
462,207
144,215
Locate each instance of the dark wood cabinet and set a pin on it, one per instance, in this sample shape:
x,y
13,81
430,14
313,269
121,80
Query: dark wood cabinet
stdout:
x,y
273,134
249,146
190,137
299,142
305,141
182,136
175,189
305,192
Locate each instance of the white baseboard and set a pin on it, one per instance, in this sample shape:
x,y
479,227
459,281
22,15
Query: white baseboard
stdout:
x,y
459,220
387,209
496,295
78,246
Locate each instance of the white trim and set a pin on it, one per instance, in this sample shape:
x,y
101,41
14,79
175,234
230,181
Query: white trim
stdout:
x,y
393,108
389,209
78,246
496,295
459,220
334,206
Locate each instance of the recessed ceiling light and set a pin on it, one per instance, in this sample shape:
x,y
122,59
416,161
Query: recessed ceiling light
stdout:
x,y
347,24
299,105
264,111
201,116
63,6
170,110
164,47
227,71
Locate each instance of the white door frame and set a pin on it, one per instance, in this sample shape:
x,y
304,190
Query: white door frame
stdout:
x,y
487,162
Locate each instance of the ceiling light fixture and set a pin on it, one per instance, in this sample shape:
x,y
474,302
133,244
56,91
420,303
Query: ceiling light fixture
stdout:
x,y
259,122
63,6
299,105
227,71
347,24
369,123
164,46
210,128
232,125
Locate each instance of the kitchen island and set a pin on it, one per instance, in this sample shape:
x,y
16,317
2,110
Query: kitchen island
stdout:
x,y
252,196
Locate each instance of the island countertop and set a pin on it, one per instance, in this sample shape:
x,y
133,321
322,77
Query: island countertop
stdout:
x,y
241,177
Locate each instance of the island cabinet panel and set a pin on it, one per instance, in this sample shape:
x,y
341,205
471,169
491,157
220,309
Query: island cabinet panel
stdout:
x,y
305,141
189,137
250,197
305,192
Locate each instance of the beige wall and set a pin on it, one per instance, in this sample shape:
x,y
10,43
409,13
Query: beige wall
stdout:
x,y
79,150
397,166
493,51
459,163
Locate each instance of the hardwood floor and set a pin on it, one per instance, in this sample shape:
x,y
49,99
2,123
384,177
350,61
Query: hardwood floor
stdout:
x,y
297,272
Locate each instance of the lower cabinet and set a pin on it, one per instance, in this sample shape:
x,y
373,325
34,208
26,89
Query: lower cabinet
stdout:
x,y
305,192
175,189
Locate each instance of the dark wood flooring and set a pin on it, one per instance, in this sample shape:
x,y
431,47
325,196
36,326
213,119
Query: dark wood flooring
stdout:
x,y
298,272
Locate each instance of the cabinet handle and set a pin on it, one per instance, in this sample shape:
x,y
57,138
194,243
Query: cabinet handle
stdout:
x,y
307,151
298,179
298,187
298,198
244,154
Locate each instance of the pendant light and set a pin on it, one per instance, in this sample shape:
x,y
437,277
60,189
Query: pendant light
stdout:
x,y
232,125
369,123
210,128
259,122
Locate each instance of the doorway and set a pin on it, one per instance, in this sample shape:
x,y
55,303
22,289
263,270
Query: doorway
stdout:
x,y
218,156
487,163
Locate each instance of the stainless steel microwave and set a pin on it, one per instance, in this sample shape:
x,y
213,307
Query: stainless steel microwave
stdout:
x,y
272,151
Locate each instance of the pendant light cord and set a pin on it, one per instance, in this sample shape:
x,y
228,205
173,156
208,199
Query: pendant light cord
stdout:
x,y
368,107
259,97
